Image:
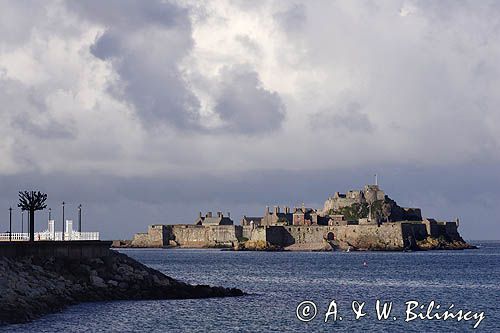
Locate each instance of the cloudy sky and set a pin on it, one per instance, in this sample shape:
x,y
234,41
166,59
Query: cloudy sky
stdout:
x,y
150,111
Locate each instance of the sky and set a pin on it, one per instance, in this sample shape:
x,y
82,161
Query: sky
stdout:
x,y
148,112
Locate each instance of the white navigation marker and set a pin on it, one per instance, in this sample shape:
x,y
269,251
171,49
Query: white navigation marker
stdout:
x,y
376,179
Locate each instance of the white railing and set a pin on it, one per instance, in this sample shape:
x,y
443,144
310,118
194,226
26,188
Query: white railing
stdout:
x,y
16,236
46,235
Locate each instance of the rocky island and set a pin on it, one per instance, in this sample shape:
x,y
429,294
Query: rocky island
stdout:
x,y
43,277
366,219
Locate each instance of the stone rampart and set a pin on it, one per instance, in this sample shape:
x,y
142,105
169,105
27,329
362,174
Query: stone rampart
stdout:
x,y
69,249
387,236
204,236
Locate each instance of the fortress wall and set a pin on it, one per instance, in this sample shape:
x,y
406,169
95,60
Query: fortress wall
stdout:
x,y
387,236
277,235
413,214
307,234
190,235
201,236
258,234
156,235
446,229
433,229
225,234
416,230
451,230
141,239
247,231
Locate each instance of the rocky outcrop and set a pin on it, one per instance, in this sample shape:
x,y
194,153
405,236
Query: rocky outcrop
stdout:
x,y
33,286
257,245
441,243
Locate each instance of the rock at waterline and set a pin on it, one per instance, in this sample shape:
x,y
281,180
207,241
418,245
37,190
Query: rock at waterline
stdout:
x,y
33,286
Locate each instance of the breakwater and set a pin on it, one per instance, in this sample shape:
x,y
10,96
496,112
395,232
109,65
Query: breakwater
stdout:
x,y
33,285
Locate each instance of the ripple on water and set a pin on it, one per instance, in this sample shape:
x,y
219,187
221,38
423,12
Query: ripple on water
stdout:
x,y
279,281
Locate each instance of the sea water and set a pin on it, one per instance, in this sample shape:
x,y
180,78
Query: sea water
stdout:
x,y
278,282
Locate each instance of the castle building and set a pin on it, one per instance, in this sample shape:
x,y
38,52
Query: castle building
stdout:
x,y
208,219
251,221
369,194
305,216
359,219
277,217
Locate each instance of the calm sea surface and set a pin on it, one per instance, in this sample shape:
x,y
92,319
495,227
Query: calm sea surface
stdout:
x,y
278,282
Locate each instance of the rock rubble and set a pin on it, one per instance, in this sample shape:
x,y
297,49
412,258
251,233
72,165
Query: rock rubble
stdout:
x,y
33,286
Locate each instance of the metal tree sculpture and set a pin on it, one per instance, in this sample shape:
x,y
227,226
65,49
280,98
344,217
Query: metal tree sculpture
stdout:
x,y
32,201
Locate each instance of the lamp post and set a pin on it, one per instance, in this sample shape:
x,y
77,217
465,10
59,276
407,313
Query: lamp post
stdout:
x,y
10,224
22,222
79,218
50,214
64,227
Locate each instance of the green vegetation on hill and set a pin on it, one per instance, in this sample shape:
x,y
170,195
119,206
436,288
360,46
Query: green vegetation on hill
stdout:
x,y
359,210
386,210
354,212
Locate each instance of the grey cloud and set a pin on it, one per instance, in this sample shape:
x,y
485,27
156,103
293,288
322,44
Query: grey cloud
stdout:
x,y
26,111
145,42
293,18
131,14
16,21
249,44
245,106
107,46
347,116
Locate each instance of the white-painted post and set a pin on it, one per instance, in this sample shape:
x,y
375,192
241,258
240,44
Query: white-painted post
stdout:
x,y
69,228
50,230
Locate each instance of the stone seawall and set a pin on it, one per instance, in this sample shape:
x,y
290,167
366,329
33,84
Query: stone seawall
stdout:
x,y
72,249
34,285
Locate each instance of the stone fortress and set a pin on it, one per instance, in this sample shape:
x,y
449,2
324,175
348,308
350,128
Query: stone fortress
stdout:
x,y
364,219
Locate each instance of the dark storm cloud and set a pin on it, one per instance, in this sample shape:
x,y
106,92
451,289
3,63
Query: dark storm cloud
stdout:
x,y
145,42
245,106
